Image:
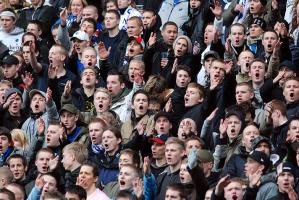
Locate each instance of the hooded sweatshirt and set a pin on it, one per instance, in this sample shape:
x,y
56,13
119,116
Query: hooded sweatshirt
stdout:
x,y
13,39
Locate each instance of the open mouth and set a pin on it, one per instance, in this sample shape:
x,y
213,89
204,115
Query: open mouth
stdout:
x,y
122,183
234,197
36,106
186,100
292,95
101,106
106,146
131,50
89,64
132,76
110,90
257,75
184,135
44,168
269,46
247,65
233,131
48,140
140,107
93,138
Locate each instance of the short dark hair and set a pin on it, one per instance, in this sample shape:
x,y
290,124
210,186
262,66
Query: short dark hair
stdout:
x,y
184,68
17,156
92,21
115,12
124,194
239,25
115,131
121,77
135,156
179,187
78,190
4,131
169,23
37,23
141,91
95,171
271,31
54,195
10,194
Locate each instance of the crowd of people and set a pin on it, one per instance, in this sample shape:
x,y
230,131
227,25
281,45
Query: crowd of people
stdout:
x,y
149,99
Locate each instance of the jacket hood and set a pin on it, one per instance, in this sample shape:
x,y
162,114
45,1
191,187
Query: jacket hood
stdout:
x,y
16,31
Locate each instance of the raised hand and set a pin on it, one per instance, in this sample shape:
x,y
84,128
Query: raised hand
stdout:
x,y
138,78
53,163
196,48
39,181
277,48
40,127
138,188
103,52
175,65
140,127
153,39
146,166
48,95
52,71
27,80
255,178
239,8
222,183
222,128
217,10
63,16
228,47
279,76
67,88
168,105
212,115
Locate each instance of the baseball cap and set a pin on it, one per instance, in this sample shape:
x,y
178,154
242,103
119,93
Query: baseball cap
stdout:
x,y
162,114
69,108
205,155
81,35
261,158
286,167
260,22
138,39
11,91
160,139
289,64
10,60
259,140
35,91
211,54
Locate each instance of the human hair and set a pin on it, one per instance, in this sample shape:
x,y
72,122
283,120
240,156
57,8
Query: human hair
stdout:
x,y
18,187
115,12
238,180
239,25
20,136
169,23
44,150
248,85
271,31
92,21
62,49
154,100
53,195
178,187
121,77
246,50
4,131
98,120
79,151
37,23
6,174
140,62
95,9
187,39
6,82
149,10
115,131
184,68
10,10
84,3
279,105
194,137
95,171
199,88
30,34
6,3
248,108
110,118
293,119
136,19
141,91
175,140
88,48
134,168
78,190
110,1
155,84
135,156
124,194
17,156
10,194
103,90
257,60
294,78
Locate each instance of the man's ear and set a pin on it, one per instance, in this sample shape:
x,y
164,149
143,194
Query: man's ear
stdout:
x,y
122,85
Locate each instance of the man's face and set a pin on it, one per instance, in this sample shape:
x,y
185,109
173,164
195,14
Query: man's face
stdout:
x,y
17,168
3,88
126,177
263,147
192,144
88,28
134,48
249,134
195,3
243,94
287,74
95,133
10,71
237,36
89,79
26,54
233,127
252,166
102,102
4,143
134,67
140,105
42,161
7,23
69,120
217,71
67,160
79,45
208,62
33,28
233,191
185,176
158,151
169,34
291,91
89,13
125,159
255,31
192,97
255,7
55,56
133,28
87,177
76,7
54,33
110,142
148,19
180,48
186,128
245,58
35,2
113,85
111,21
71,196
209,34
123,3
15,107
19,194
50,184
173,154
269,40
182,79
89,58
162,125
52,136
285,182
172,195
38,103
257,72
294,127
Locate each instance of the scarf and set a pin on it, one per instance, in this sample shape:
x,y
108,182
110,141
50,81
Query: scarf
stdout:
x,y
120,95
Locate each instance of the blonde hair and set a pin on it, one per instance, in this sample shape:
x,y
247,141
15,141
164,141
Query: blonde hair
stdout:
x,y
20,136
80,152
84,3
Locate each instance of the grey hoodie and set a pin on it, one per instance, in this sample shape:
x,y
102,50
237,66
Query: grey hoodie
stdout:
x,y
13,39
